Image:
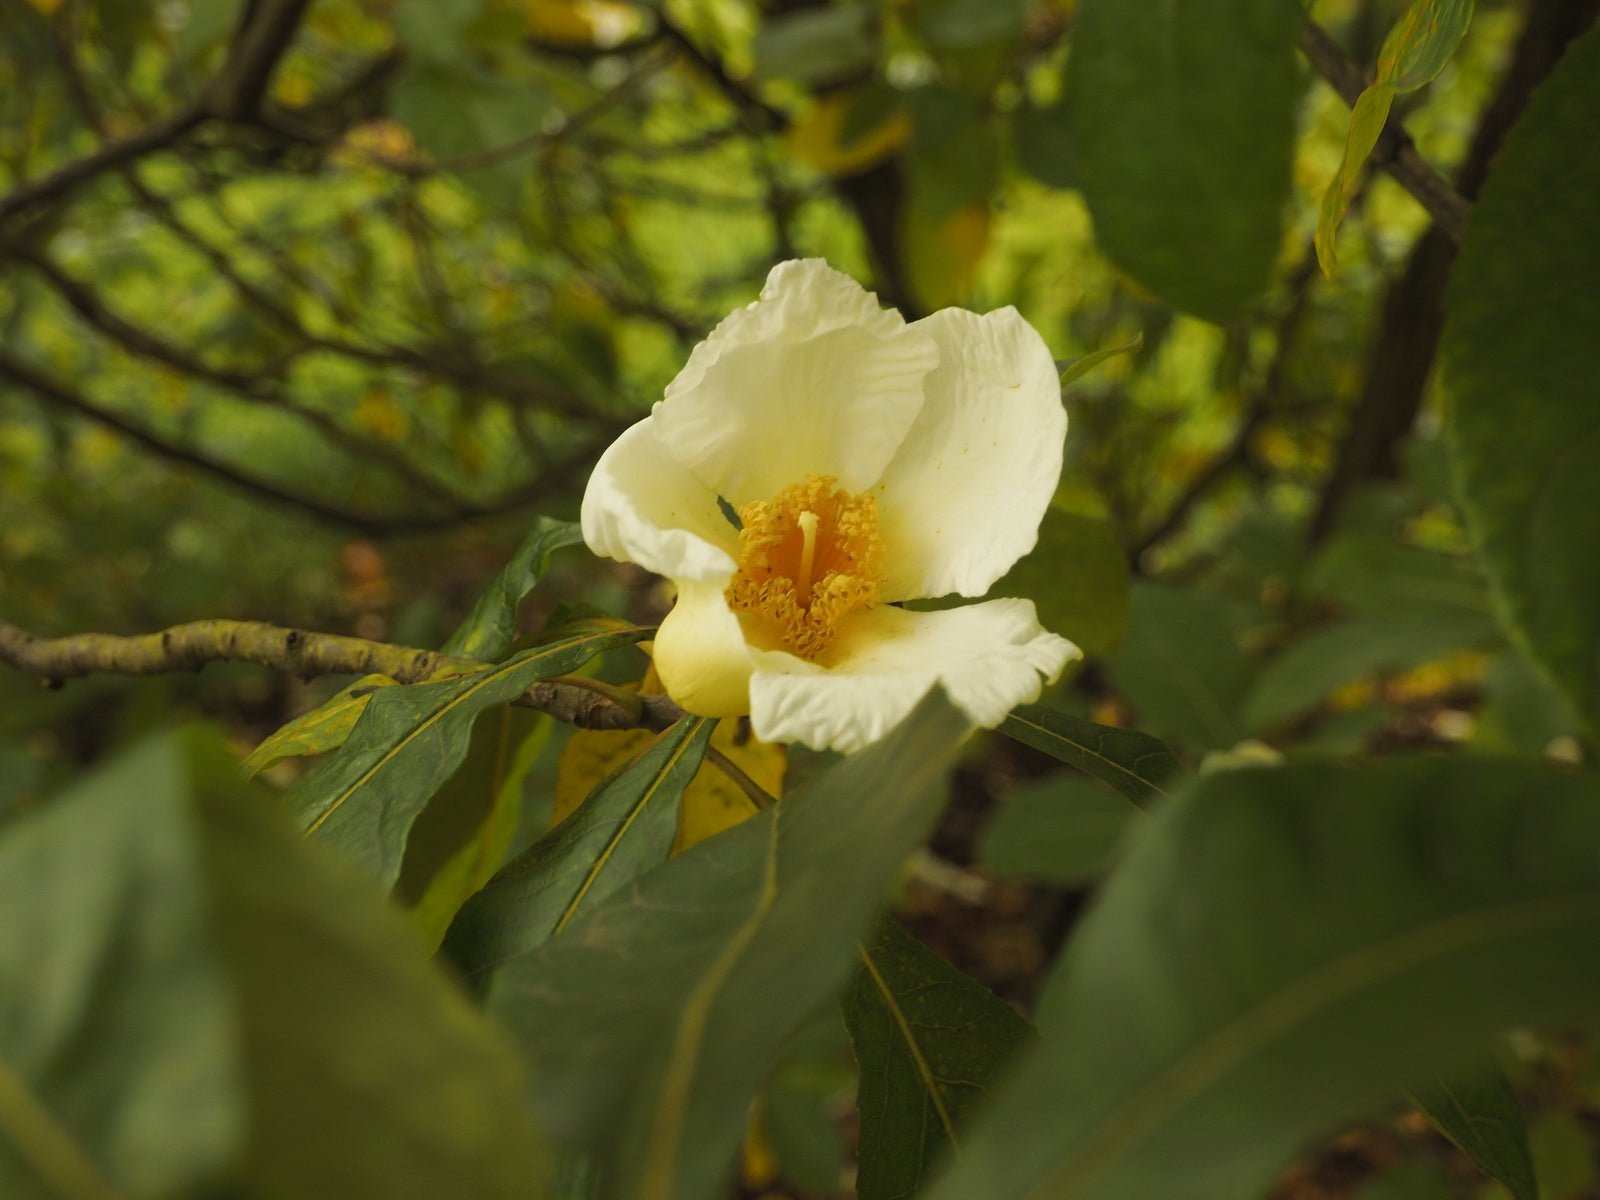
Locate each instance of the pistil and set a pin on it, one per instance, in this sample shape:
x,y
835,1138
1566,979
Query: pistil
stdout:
x,y
808,554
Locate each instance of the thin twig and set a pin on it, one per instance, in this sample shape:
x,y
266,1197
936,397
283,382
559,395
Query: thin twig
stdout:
x,y
1395,151
758,795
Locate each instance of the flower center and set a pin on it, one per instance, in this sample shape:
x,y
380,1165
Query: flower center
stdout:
x,y
806,558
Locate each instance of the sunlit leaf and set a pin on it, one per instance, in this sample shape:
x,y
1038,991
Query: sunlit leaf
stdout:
x,y
1282,947
928,1040
1523,427
650,1021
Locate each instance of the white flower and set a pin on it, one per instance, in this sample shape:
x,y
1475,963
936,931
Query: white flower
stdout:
x,y
870,462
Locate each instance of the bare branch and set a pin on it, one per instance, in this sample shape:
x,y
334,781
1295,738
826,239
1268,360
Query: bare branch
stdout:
x,y
188,647
1395,151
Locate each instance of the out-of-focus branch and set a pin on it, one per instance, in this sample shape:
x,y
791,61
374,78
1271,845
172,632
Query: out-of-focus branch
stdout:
x,y
190,646
1395,151
235,94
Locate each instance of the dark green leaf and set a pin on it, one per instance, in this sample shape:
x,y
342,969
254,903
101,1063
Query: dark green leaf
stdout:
x,y
815,44
1183,115
1282,947
1316,665
490,630
118,1068
1479,1112
650,1021
1522,712
1044,145
954,158
1134,764
1520,361
961,24
1063,829
928,1040
1380,577
1182,668
623,829
1077,577
408,742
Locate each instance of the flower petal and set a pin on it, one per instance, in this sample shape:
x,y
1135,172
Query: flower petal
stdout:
x,y
990,657
811,379
963,498
700,653
642,506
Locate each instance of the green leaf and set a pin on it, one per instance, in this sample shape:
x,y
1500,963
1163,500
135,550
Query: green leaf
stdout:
x,y
1062,829
456,110
1416,50
488,633
928,1040
118,1068
371,1078
962,24
363,800
1306,673
815,45
1378,576
1181,665
1183,116
1523,427
1479,1112
464,833
1282,948
1077,577
1079,367
623,829
1133,764
1044,145
322,729
649,1023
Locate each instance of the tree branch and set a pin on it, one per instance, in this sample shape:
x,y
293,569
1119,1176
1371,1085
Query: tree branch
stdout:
x,y
188,647
1395,151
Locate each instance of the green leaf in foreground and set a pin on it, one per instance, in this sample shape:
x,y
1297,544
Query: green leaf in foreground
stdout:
x,y
488,633
1479,1112
927,1039
118,1067
1077,577
622,830
1062,829
650,1021
1280,948
1183,117
1520,361
1134,764
408,742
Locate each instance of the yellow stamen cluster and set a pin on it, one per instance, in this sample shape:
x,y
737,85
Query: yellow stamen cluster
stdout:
x,y
806,558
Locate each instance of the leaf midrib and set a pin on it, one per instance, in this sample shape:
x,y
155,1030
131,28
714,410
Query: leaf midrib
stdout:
x,y
46,1146
1092,753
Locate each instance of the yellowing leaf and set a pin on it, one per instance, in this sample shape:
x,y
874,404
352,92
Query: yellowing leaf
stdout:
x,y
941,256
711,803
1416,50
818,138
376,413
580,22
322,729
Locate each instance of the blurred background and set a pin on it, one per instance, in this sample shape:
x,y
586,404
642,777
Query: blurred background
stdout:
x,y
307,309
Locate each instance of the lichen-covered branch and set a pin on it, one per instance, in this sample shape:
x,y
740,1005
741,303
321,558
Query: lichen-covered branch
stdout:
x,y
570,699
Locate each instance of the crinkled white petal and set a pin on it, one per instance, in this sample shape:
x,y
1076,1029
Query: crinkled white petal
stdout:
x,y
813,378
643,506
963,497
990,657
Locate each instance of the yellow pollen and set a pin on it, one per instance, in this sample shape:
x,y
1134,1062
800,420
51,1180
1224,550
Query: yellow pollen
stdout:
x,y
808,557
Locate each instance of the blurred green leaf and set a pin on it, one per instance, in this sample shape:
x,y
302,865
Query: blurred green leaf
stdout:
x,y
1062,829
465,832
1308,671
457,111
1133,764
363,800
1380,577
1523,427
1522,711
961,24
1416,50
1479,1112
928,1040
1077,577
488,633
622,830
1183,116
1044,145
650,1022
1181,665
1282,947
322,729
118,1067
816,44
954,157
